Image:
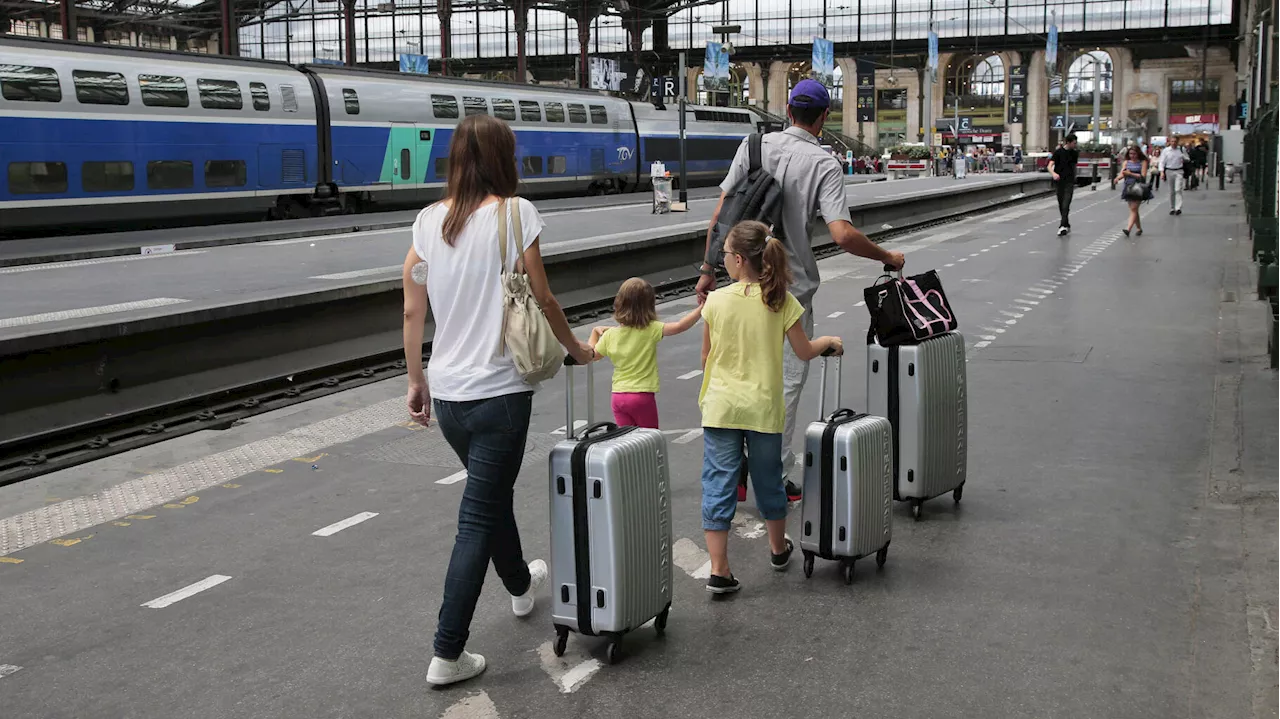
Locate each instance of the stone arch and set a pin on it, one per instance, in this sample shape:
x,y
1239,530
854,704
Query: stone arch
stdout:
x,y
1080,71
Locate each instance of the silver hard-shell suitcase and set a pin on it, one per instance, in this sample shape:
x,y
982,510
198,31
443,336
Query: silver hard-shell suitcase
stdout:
x,y
921,389
610,529
848,485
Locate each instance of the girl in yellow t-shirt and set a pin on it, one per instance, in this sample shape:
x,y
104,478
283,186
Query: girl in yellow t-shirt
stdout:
x,y
633,349
741,396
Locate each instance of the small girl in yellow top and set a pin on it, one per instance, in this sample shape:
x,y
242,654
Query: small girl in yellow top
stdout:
x,y
633,349
741,397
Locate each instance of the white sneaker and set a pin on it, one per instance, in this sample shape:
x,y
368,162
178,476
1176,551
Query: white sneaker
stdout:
x,y
1062,231
522,605
466,666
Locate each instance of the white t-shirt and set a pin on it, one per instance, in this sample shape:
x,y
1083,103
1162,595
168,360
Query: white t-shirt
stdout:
x,y
465,289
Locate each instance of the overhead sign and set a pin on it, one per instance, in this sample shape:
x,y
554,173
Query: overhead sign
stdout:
x,y
664,87
416,64
866,90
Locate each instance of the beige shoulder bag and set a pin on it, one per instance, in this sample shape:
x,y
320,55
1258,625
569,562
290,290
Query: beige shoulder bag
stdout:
x,y
526,334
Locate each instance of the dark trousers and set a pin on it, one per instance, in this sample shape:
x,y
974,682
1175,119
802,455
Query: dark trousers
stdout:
x,y
488,435
1066,188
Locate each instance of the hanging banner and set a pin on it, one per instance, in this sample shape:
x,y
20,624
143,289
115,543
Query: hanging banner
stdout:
x,y
1051,50
933,56
824,62
1017,93
866,90
416,64
603,73
715,68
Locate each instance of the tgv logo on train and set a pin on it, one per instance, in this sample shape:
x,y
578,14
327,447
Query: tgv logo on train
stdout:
x,y
624,153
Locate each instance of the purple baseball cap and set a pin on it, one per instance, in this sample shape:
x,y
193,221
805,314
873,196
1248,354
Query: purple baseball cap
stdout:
x,y
809,93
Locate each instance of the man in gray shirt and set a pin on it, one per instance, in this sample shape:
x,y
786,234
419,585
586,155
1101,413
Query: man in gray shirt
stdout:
x,y
812,184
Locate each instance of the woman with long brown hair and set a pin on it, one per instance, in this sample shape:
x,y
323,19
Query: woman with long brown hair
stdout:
x,y
482,403
1133,172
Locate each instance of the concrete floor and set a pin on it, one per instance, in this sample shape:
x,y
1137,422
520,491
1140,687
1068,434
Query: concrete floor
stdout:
x,y
1114,555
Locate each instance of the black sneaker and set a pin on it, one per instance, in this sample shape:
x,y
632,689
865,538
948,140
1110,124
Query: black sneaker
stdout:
x,y
793,492
779,562
722,585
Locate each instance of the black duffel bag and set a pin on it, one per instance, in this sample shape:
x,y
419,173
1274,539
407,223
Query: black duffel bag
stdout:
x,y
908,310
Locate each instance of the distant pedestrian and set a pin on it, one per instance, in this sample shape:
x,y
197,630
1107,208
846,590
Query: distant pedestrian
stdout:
x,y
1133,172
482,403
1153,167
1017,160
1173,165
1062,167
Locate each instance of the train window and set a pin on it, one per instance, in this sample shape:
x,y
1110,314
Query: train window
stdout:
x,y
599,116
25,83
577,113
224,173
406,164
444,106
106,176
475,106
555,112
557,165
261,98
531,165
530,111
37,178
350,101
220,94
163,91
504,109
170,175
442,168
288,98
100,88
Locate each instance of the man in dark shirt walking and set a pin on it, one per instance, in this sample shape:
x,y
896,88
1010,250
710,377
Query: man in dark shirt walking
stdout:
x,y
1062,166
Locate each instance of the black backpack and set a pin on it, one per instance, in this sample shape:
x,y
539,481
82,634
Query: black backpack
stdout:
x,y
757,197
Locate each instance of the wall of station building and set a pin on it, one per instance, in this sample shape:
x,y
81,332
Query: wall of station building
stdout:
x,y
1140,103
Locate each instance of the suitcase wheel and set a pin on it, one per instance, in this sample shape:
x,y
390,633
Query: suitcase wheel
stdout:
x,y
957,493
917,507
660,621
881,555
847,568
808,564
562,639
613,653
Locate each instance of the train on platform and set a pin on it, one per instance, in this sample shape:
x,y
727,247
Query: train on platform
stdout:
x,y
96,137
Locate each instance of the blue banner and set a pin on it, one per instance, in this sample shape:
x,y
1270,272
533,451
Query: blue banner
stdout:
x,y
715,68
326,61
933,54
1051,50
413,63
824,61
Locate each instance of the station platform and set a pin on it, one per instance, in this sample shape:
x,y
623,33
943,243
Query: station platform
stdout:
x,y
132,242
1114,555
49,297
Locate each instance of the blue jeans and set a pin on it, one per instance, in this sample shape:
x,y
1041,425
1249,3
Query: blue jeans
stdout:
x,y
488,435
722,464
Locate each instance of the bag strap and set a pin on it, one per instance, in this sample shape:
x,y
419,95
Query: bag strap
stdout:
x,y
753,152
518,230
502,237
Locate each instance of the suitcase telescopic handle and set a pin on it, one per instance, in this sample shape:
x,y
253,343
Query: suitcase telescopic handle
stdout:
x,y
569,364
822,385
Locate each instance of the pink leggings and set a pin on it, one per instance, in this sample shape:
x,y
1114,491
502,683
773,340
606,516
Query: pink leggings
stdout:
x,y
635,409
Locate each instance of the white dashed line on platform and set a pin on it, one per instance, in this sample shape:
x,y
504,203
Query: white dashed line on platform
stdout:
x,y
353,274
94,261
351,521
478,706
83,312
690,375
1027,302
834,315
691,558
567,672
187,591
688,437
458,476
860,303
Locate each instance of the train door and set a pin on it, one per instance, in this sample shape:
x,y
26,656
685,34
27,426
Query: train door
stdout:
x,y
401,151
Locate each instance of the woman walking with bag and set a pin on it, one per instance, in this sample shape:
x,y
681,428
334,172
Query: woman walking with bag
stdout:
x,y
1134,191
457,266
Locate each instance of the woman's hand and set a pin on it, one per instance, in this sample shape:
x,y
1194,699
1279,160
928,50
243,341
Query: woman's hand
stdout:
x,y
419,401
582,353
